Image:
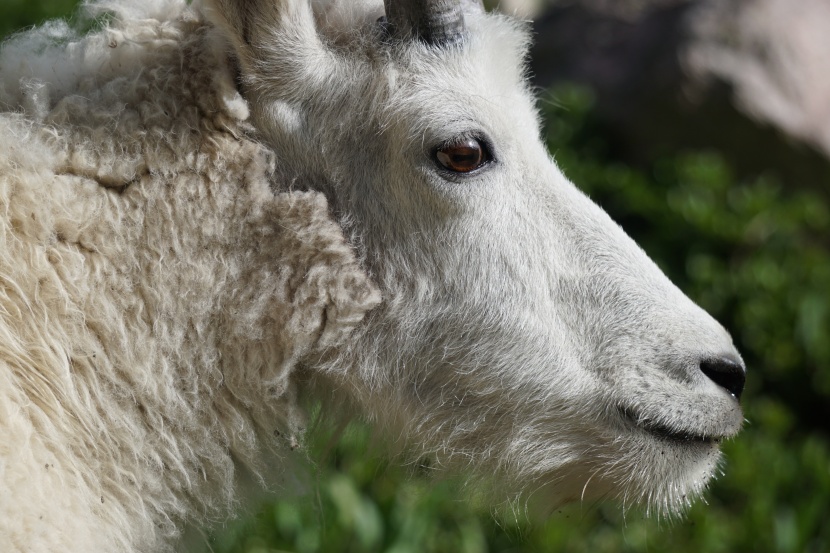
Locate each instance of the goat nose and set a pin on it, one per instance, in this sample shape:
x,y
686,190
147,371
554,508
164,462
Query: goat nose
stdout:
x,y
727,373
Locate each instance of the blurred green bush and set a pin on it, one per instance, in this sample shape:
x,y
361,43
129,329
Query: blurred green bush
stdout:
x,y
754,252
17,14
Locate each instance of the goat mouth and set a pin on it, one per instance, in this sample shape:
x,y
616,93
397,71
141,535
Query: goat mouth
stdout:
x,y
664,432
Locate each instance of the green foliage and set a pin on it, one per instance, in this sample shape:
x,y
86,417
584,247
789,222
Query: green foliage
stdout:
x,y
360,504
17,14
753,252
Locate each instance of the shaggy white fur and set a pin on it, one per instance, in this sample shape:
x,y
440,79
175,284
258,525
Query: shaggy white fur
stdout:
x,y
155,294
175,270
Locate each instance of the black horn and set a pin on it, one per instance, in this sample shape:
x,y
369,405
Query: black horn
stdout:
x,y
433,21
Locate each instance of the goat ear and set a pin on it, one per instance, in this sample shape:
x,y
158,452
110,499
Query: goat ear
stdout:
x,y
272,37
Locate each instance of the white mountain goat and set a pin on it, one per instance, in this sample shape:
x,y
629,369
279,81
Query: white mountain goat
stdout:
x,y
210,212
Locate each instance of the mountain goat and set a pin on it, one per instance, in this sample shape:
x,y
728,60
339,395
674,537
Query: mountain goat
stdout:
x,y
213,211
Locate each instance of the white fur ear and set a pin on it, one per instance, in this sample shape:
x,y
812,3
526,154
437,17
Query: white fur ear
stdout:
x,y
274,41
226,92
336,18
256,24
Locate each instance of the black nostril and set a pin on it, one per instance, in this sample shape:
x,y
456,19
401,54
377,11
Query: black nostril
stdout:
x,y
727,373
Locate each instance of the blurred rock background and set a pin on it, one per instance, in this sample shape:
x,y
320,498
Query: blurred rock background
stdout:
x,y
747,77
702,127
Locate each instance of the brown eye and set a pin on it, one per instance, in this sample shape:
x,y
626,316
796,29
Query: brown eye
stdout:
x,y
462,156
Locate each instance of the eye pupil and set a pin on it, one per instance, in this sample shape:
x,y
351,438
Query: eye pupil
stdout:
x,y
463,156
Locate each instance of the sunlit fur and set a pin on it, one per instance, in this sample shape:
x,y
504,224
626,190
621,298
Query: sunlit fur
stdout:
x,y
172,279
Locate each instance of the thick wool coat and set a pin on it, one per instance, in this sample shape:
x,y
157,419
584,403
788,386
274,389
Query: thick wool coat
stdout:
x,y
157,291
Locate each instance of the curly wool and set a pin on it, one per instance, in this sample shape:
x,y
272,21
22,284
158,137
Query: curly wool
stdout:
x,y
157,290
